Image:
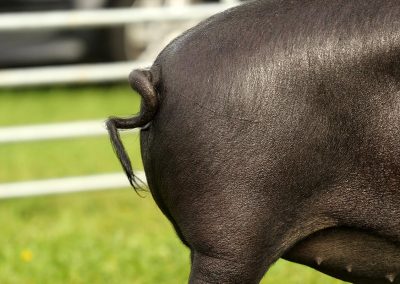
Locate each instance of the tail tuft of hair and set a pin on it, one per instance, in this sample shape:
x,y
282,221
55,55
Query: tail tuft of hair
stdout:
x,y
141,82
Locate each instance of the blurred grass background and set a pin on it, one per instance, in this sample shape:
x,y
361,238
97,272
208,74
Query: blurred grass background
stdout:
x,y
101,237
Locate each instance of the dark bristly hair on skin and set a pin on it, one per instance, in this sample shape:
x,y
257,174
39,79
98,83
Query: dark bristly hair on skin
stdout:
x,y
141,82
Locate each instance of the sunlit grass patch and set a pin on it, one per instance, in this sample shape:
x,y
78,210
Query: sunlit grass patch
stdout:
x,y
68,157
57,104
103,237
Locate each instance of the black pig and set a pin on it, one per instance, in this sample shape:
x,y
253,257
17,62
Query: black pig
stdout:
x,y
273,130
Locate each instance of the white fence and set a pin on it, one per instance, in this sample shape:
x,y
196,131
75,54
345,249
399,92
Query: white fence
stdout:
x,y
66,185
12,22
78,74
83,73
109,17
53,131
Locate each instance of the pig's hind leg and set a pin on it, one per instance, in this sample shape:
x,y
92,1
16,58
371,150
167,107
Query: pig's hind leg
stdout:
x,y
237,240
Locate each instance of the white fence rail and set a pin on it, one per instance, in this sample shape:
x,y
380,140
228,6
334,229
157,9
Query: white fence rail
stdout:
x,y
53,131
66,185
83,73
60,185
13,22
109,17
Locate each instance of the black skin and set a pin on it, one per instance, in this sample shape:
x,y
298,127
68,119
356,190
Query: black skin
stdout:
x,y
273,130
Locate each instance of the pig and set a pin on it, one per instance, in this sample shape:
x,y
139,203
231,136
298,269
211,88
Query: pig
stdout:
x,y
272,130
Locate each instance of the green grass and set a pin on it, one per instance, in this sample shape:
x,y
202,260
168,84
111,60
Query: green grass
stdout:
x,y
46,159
102,237
65,104
106,237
